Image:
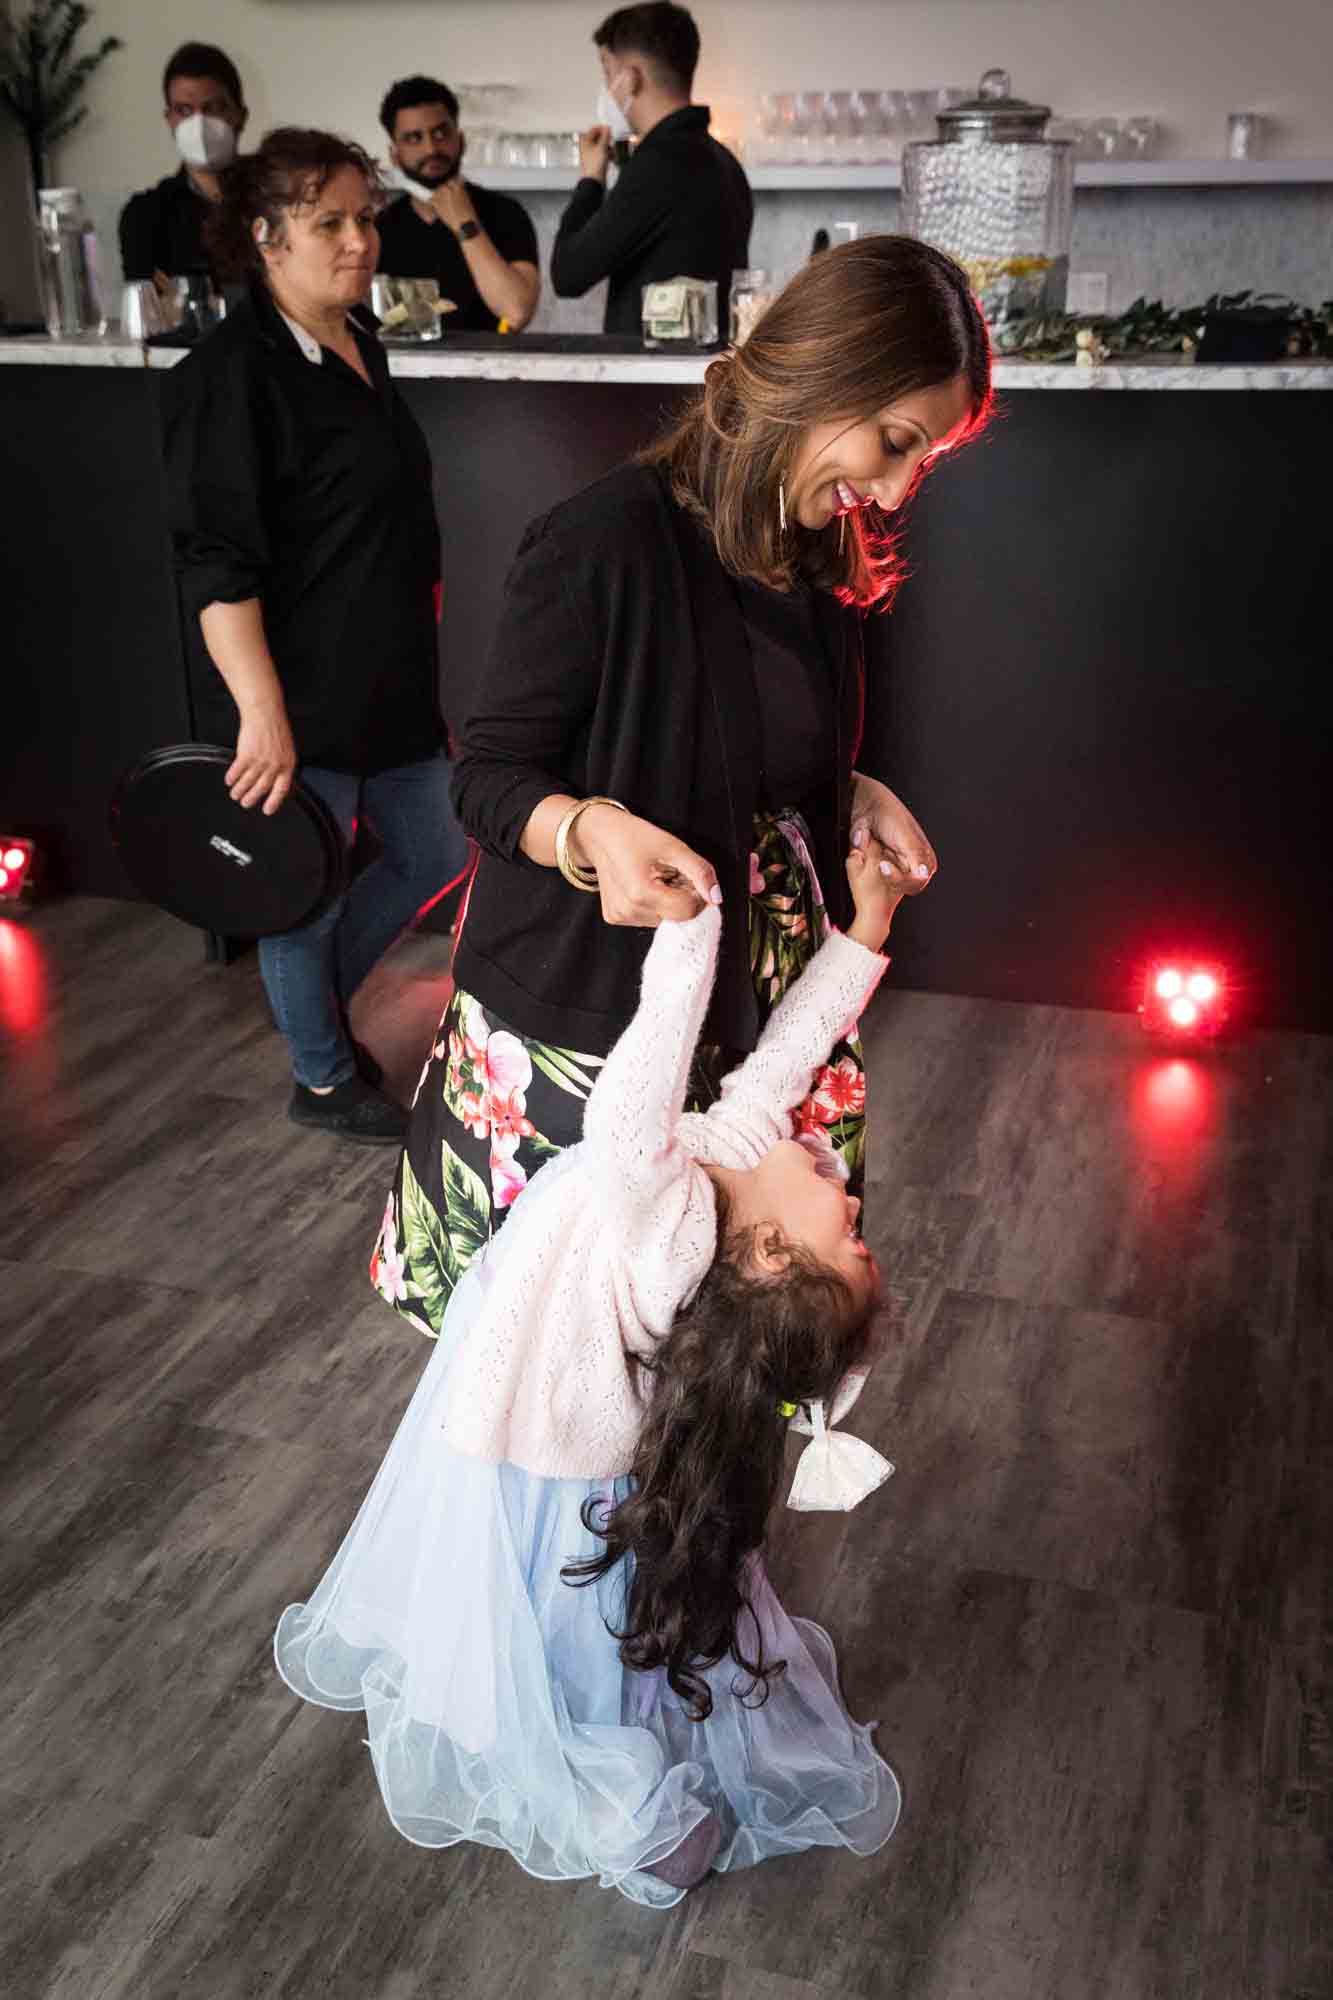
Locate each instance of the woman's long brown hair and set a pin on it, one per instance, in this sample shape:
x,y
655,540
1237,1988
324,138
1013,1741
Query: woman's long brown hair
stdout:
x,y
858,328
710,1458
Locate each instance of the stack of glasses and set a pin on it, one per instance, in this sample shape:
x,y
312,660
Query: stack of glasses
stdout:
x,y
843,128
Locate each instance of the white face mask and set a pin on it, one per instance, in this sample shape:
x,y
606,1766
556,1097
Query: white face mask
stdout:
x,y
610,113
205,142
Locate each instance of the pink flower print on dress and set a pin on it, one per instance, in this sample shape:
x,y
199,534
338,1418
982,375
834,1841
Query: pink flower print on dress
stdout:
x,y
474,1108
510,1124
508,1180
494,1071
840,1091
809,1117
388,1267
756,876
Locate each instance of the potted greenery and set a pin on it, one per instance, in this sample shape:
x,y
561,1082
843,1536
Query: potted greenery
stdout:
x,y
42,79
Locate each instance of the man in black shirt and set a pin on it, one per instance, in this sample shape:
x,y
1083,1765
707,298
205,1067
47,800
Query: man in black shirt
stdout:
x,y
161,230
481,246
682,207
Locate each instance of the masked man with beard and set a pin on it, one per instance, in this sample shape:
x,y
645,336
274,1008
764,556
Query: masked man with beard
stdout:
x,y
481,246
161,230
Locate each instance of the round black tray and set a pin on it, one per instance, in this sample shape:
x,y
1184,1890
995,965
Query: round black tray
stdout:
x,y
241,873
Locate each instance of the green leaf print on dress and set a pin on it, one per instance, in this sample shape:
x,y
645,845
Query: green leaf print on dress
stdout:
x,y
431,1268
468,1202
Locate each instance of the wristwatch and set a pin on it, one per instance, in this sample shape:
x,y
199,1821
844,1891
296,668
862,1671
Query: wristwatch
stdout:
x,y
467,230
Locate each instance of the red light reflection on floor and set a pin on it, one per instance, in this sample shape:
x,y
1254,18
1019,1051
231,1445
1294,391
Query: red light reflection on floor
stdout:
x,y
1175,1103
23,997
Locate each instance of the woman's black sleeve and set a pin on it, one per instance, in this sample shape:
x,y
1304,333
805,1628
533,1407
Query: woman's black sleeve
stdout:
x,y
518,741
215,481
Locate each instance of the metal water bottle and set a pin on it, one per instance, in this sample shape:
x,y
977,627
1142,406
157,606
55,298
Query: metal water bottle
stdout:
x,y
70,286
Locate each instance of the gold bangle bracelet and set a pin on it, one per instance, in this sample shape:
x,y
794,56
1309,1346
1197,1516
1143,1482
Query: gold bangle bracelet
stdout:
x,y
578,877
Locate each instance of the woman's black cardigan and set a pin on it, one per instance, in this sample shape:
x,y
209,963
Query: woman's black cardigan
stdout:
x,y
621,667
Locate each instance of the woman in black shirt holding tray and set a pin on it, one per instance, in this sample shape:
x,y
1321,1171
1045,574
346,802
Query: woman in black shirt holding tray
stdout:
x,y
309,562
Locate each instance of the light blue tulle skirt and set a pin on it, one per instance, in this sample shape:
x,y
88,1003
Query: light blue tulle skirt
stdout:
x,y
497,1709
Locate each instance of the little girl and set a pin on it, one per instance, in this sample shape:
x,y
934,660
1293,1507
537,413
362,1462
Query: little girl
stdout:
x,y
552,1605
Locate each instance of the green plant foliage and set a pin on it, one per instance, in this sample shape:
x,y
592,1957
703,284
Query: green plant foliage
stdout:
x,y
42,79
1149,327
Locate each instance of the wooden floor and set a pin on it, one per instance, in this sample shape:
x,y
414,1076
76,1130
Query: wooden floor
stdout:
x,y
1091,1612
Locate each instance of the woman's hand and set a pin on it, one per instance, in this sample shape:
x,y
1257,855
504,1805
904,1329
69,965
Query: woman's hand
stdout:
x,y
645,876
870,875
878,811
265,760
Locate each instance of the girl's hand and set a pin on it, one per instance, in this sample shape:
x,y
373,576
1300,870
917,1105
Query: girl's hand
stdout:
x,y
265,760
645,876
876,890
878,811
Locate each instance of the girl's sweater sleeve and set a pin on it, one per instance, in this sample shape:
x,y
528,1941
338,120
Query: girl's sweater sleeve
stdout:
x,y
629,1126
754,1109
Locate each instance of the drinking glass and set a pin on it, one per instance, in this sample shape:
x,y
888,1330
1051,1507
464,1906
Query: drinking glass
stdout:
x,y
141,313
1245,135
859,117
765,146
841,127
1140,137
1104,139
198,306
918,114
752,292
892,117
796,112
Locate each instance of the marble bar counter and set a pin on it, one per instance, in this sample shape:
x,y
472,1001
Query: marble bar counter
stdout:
x,y
1103,686
583,359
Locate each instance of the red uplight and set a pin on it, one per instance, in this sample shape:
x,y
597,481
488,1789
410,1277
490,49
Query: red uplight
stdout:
x,y
15,857
1183,1000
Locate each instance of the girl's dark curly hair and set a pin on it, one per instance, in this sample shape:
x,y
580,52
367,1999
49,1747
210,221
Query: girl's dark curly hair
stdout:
x,y
710,1458
290,168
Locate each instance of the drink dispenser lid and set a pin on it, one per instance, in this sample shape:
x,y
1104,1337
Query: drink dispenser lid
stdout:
x,y
64,198
994,113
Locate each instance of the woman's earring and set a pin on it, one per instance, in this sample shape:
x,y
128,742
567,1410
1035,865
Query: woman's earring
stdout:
x,y
842,533
782,506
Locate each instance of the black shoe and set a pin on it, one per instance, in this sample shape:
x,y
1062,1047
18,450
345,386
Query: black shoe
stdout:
x,y
367,1068
352,1111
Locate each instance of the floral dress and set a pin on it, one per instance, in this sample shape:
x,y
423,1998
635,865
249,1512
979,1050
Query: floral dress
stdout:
x,y
493,1104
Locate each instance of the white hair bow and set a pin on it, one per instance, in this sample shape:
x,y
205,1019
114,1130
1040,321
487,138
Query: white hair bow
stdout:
x,y
835,1471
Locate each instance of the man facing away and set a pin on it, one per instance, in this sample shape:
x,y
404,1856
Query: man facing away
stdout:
x,y
480,246
161,230
681,207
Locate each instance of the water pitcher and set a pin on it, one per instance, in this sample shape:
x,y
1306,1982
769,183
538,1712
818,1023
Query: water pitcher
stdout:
x,y
70,284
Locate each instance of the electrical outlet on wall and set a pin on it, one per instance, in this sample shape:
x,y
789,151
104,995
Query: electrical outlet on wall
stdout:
x,y
1086,294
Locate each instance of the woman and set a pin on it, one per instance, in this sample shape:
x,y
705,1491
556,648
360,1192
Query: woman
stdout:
x,y
673,705
309,560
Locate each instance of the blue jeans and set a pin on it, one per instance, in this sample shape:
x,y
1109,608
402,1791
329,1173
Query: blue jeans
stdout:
x,y
310,974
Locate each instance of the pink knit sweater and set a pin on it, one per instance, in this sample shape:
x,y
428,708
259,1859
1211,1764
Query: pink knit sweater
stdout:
x,y
610,1239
